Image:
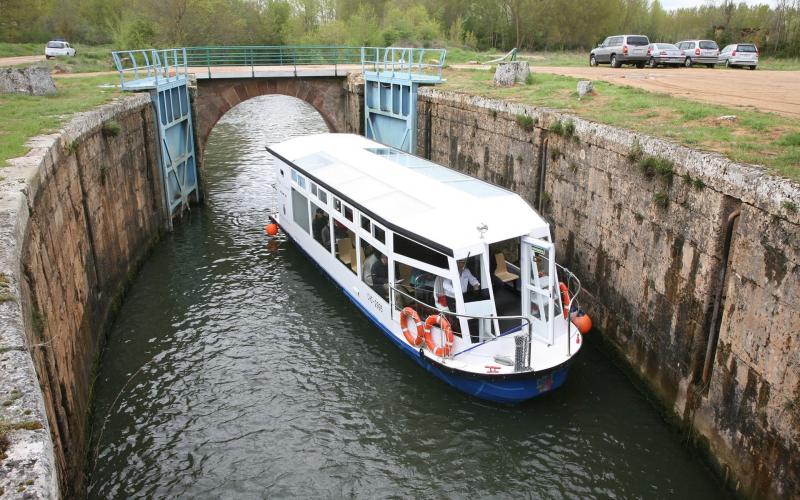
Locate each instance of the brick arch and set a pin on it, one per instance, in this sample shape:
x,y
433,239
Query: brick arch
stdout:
x,y
328,95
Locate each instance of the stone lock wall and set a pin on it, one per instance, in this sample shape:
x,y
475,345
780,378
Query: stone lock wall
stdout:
x,y
649,249
80,212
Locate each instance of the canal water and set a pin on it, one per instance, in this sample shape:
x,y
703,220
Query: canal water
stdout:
x,y
234,369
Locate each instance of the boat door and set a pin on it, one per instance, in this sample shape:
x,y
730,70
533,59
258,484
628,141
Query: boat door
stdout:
x,y
538,272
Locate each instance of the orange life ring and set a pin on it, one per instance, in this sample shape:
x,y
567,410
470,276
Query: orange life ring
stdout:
x,y
411,314
440,321
564,297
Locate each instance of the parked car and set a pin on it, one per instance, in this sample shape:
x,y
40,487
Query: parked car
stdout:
x,y
664,54
55,48
739,54
621,49
699,52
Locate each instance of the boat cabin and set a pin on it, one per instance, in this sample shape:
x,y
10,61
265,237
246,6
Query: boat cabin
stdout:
x,y
411,233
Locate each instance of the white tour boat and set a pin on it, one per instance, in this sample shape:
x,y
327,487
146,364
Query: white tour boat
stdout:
x,y
459,273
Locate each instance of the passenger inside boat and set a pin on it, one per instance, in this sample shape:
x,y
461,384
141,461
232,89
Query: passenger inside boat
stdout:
x,y
320,227
374,270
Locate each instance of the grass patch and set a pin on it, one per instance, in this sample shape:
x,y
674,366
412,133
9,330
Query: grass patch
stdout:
x,y
758,138
22,117
569,128
652,166
557,128
526,123
790,207
635,154
111,128
661,199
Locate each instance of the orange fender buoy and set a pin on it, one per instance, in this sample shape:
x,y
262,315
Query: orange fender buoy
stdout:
x,y
564,297
410,314
271,229
440,321
582,322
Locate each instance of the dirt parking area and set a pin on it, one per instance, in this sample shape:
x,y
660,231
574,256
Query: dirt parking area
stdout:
x,y
13,61
772,91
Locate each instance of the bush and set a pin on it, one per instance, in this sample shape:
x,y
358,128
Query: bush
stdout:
x,y
661,199
557,128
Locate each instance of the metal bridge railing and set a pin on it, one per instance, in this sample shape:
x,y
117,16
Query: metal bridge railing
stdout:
x,y
407,63
139,69
148,68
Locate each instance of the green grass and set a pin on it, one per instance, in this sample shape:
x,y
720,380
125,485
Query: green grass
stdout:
x,y
556,58
22,117
21,49
779,63
760,138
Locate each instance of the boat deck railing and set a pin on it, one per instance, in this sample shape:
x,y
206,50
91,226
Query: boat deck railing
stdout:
x,y
573,287
524,328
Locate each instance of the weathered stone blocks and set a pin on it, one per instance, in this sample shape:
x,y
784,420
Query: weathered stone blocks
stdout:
x,y
651,270
31,80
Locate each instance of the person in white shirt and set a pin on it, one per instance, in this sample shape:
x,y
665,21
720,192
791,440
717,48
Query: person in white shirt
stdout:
x,y
443,288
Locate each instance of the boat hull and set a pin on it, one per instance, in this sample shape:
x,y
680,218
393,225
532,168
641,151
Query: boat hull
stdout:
x,y
514,388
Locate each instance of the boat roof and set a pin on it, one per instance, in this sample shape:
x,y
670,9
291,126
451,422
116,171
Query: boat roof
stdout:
x,y
437,203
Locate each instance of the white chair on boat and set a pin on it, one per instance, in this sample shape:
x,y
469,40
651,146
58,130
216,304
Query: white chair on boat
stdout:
x,y
502,272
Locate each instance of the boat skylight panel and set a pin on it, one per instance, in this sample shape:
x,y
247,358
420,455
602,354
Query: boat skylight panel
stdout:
x,y
315,161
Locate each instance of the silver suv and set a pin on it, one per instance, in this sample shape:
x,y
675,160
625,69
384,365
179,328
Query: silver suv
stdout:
x,y
621,49
699,52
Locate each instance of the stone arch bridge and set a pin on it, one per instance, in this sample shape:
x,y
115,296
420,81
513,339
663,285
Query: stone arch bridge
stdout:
x,y
337,98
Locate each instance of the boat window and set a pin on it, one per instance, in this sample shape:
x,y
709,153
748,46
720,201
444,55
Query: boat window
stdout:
x,y
379,234
314,189
323,196
374,270
321,227
344,246
299,179
424,292
414,250
300,209
337,205
365,224
348,213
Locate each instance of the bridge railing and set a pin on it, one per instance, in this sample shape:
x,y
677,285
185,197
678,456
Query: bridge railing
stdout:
x,y
408,63
140,69
253,57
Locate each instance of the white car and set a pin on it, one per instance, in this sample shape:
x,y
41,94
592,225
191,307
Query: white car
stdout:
x,y
739,54
56,48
